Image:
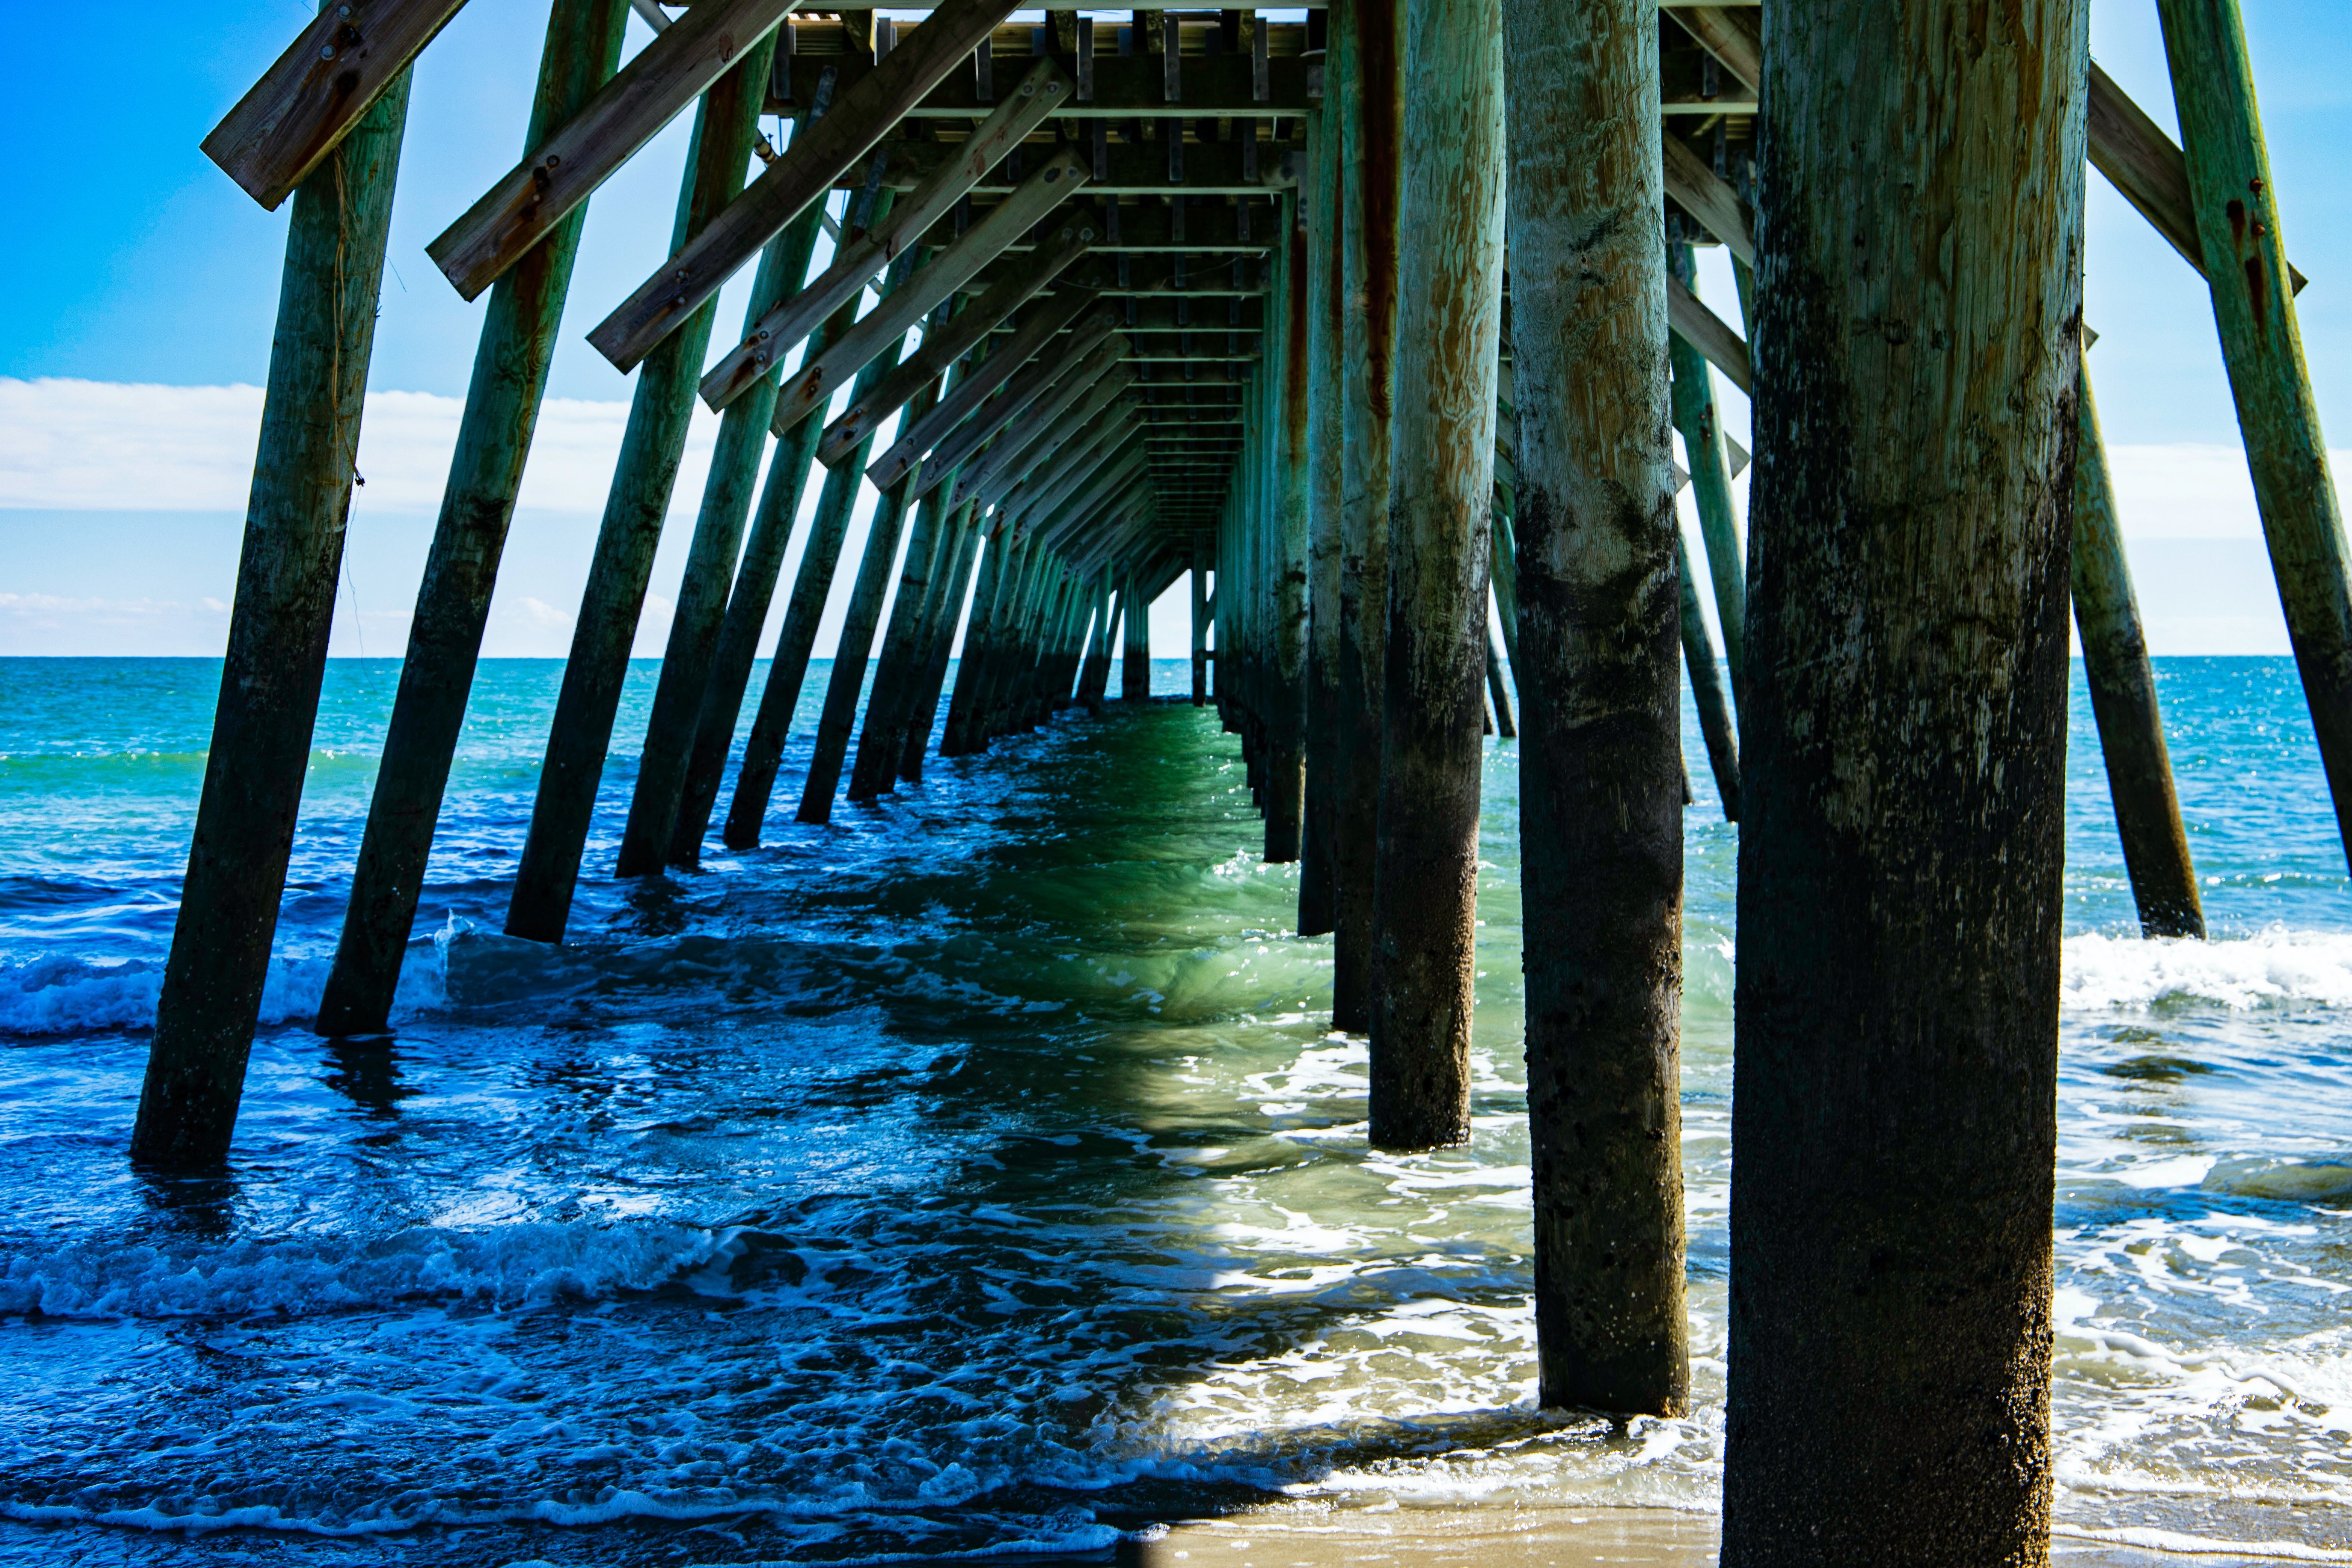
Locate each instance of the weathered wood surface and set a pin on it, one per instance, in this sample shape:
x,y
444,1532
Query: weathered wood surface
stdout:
x,y
1448,338
1708,197
1731,34
764,748
1282,705
287,571
859,259
1325,324
942,346
453,597
705,588
882,736
837,145
2261,346
1202,555
1022,448
2123,699
1712,471
1124,86
1902,769
312,97
1015,356
860,617
564,168
810,388
1600,762
2148,168
925,718
1709,334
1213,231
1715,721
1370,152
645,472
1051,400
1124,168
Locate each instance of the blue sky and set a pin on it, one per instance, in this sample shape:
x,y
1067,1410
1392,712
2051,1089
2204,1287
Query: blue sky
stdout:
x,y
137,262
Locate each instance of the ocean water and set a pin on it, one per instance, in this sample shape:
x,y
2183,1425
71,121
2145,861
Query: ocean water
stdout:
x,y
977,1174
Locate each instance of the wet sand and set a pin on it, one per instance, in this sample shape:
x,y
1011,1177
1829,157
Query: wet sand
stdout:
x,y
1545,1537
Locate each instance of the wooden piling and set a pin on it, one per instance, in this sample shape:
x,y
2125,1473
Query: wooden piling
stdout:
x,y
1601,769
756,575
851,657
882,736
1370,126
1135,673
1715,722
764,748
1500,722
1201,555
1893,1100
2262,345
1284,709
1449,329
452,599
2123,699
706,585
994,583
1701,426
925,716
635,510
277,657
1323,321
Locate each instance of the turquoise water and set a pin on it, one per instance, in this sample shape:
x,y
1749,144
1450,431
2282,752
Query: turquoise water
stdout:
x,y
977,1174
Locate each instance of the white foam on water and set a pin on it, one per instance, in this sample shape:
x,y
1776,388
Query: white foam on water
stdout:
x,y
2175,1543
59,995
2273,967
516,1264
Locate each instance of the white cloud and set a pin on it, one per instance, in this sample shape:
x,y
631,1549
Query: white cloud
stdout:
x,y
95,445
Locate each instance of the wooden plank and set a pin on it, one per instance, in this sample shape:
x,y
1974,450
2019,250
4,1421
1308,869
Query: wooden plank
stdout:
x,y
1706,331
1731,36
1222,85
1111,431
858,258
308,101
1059,416
944,343
1038,392
1010,362
1211,230
860,117
583,152
1127,169
809,390
1708,198
2148,168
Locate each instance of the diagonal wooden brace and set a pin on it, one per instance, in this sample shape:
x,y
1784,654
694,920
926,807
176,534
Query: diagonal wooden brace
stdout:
x,y
1004,455
1044,380
861,116
1706,332
944,343
1708,198
858,257
306,103
2148,168
971,389
583,152
813,386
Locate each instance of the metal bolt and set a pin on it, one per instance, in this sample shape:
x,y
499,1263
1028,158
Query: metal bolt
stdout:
x,y
327,53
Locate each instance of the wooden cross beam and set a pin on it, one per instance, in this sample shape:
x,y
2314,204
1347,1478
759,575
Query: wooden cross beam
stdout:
x,y
1061,308
1708,198
1706,332
2149,167
944,343
1053,421
630,332
1044,383
814,386
1210,226
1122,168
581,154
1124,87
307,103
860,117
1048,483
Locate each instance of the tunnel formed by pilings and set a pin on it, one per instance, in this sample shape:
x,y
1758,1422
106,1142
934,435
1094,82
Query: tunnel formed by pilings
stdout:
x,y
1379,325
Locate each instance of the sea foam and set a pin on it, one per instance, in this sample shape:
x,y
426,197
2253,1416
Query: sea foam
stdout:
x,y
2271,968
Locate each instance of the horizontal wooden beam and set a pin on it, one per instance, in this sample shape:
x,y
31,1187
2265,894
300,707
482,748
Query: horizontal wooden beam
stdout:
x,y
1706,331
1125,168
856,258
812,387
944,343
2149,167
1124,86
582,152
307,103
1209,227
1013,365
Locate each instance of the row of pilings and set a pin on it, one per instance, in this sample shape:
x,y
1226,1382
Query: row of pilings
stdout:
x,y
1429,447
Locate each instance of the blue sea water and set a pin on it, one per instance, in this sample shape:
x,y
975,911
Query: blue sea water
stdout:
x,y
978,1172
